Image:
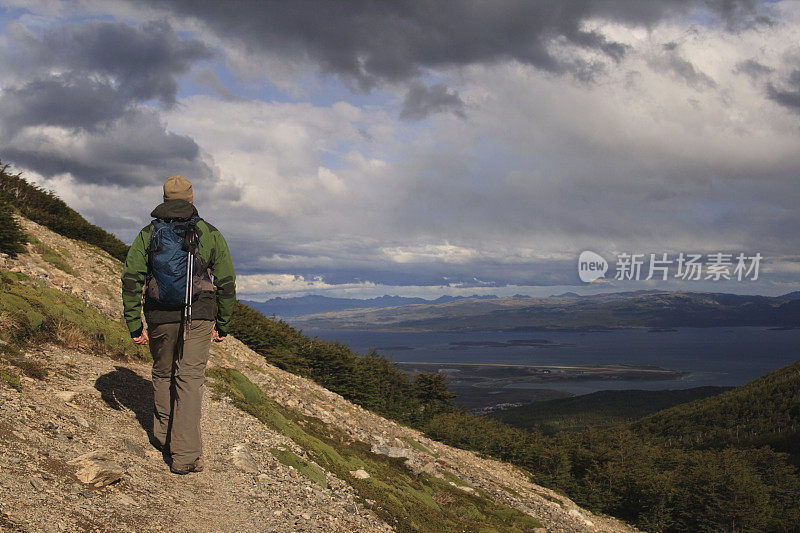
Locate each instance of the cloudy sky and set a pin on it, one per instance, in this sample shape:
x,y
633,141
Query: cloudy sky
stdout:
x,y
421,148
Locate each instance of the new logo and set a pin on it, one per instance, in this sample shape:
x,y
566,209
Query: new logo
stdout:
x,y
591,266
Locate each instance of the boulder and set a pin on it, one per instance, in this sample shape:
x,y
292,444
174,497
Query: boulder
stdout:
x,y
97,469
242,458
359,474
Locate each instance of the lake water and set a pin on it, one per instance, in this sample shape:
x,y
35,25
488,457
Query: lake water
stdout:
x,y
712,356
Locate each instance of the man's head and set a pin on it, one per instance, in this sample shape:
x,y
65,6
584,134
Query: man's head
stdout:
x,y
178,188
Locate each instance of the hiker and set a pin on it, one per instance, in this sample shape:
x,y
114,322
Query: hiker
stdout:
x,y
185,267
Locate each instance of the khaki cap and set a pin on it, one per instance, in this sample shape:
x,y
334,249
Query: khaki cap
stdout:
x,y
178,188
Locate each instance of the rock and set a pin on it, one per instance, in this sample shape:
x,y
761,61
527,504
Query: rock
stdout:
x,y
37,484
277,512
82,421
307,516
391,451
430,468
243,459
97,469
359,474
134,448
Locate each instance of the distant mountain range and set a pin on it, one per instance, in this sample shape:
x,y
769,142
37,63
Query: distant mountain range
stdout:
x,y
305,305
653,309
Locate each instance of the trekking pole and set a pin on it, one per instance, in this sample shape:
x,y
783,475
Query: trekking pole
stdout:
x,y
190,283
187,294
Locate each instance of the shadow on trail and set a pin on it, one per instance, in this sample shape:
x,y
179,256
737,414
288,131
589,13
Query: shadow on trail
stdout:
x,y
124,388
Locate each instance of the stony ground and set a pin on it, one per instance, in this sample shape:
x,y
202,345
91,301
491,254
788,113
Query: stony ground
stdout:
x,y
91,403
100,404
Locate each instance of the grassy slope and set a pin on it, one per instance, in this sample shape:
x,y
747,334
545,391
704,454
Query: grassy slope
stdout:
x,y
32,312
410,502
47,209
597,410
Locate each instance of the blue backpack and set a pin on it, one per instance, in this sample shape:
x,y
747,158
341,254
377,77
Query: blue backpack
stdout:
x,y
172,243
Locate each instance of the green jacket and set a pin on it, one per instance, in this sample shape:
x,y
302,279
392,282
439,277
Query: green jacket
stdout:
x,y
215,302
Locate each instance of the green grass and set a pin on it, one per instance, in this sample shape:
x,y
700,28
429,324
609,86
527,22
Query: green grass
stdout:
x,y
409,501
32,311
50,255
289,458
31,368
419,446
11,379
256,368
449,476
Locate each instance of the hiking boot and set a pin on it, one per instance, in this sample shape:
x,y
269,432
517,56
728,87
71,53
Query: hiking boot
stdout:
x,y
197,466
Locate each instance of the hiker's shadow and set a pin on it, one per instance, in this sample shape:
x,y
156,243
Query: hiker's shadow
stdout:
x,y
124,388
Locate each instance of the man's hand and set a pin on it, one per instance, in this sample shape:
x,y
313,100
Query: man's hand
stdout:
x,y
141,339
216,336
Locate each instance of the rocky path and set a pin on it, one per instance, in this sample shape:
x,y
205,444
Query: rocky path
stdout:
x,y
102,405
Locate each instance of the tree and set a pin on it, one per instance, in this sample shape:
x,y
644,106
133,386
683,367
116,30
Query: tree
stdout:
x,y
431,390
12,238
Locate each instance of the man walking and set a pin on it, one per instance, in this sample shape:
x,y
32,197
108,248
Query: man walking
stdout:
x,y
185,267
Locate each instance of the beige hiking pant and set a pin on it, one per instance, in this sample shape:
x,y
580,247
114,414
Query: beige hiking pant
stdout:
x,y
178,374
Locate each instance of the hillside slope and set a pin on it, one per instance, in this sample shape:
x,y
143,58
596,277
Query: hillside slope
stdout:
x,y
602,409
764,412
282,453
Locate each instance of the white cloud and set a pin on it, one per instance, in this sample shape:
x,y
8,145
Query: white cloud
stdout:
x,y
273,153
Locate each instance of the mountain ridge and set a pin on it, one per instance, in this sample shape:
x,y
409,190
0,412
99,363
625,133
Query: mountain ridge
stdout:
x,y
314,303
651,309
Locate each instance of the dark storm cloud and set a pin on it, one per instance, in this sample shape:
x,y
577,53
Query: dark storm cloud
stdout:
x,y
104,73
70,101
135,150
370,42
790,95
143,62
422,101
